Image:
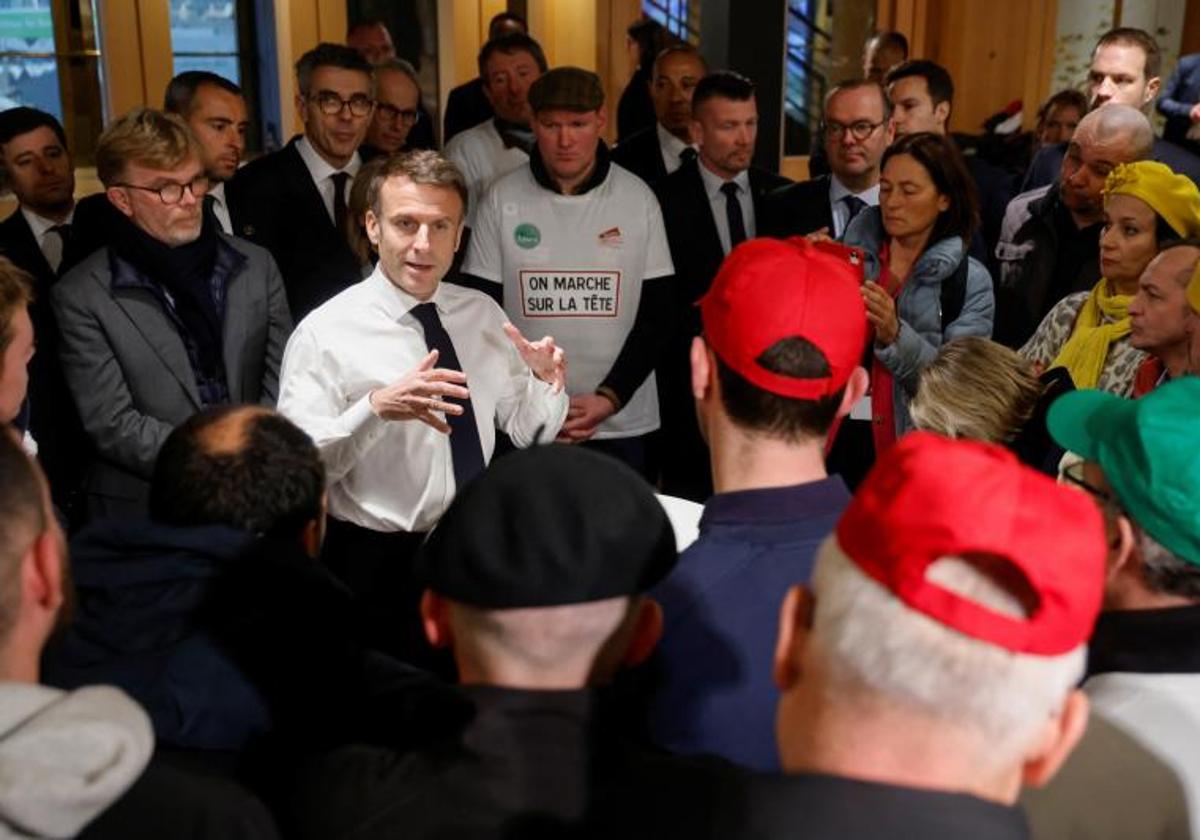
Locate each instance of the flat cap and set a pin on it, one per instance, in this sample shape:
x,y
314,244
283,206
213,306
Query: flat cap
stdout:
x,y
568,88
549,526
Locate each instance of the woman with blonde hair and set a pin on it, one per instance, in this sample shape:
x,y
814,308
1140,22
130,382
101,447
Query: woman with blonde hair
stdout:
x,y
980,390
1087,333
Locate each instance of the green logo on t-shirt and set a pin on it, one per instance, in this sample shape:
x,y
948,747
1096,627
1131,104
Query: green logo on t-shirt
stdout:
x,y
527,236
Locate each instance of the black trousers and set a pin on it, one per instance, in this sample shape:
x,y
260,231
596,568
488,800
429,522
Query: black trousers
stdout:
x,y
377,566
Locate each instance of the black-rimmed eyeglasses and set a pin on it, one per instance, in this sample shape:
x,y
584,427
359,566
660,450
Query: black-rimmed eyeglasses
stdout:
x,y
859,130
331,104
172,191
1073,474
391,113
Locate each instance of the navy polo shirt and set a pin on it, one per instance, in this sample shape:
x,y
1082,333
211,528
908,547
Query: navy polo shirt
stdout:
x,y
715,692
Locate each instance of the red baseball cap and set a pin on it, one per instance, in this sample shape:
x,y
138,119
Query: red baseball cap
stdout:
x,y
930,497
768,290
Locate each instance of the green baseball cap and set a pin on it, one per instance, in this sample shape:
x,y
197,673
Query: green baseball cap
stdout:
x,y
1149,450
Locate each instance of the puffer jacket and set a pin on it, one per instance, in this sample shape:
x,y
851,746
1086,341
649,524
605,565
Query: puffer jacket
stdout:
x,y
919,306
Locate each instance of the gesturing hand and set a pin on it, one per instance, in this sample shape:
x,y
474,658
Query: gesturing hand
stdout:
x,y
881,312
545,358
421,392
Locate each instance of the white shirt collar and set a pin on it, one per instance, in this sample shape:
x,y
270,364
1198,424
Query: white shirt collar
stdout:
x,y
40,224
318,167
713,182
838,191
395,301
670,144
217,191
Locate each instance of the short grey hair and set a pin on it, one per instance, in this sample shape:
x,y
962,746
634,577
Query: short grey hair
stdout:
x,y
1115,122
876,647
398,65
1164,571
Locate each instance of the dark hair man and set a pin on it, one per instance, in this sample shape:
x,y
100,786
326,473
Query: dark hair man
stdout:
x,y
881,52
508,67
654,153
855,131
539,619
38,166
171,317
1164,316
585,257
1050,241
1141,468
468,105
710,205
928,673
215,110
1125,69
1059,116
378,377
293,201
922,96
372,40
397,108
784,327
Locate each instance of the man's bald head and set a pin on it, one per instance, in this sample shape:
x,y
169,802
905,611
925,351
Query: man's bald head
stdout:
x,y
1179,260
1118,126
246,467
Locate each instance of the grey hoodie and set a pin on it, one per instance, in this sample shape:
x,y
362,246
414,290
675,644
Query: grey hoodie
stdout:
x,y
66,756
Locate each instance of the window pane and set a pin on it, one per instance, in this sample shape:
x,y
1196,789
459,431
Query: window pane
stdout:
x,y
204,36
26,26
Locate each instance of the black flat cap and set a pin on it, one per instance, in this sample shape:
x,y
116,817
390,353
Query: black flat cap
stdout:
x,y
549,526
568,88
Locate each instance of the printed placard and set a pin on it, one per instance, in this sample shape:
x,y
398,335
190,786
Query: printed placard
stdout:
x,y
570,293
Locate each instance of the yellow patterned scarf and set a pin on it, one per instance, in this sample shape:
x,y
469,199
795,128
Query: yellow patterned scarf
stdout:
x,y
1103,319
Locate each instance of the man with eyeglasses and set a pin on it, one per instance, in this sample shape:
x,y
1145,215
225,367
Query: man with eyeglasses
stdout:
x,y
397,108
171,317
856,130
711,204
293,202
1141,464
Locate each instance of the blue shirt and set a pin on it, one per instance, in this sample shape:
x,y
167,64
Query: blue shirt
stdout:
x,y
721,613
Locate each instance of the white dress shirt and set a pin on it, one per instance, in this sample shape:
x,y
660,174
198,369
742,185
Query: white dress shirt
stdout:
x,y
221,209
51,244
841,213
322,173
671,147
398,475
716,200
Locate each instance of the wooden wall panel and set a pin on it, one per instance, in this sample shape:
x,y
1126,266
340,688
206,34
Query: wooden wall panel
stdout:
x,y
135,37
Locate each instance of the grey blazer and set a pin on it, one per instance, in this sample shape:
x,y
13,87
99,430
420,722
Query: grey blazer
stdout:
x,y
128,370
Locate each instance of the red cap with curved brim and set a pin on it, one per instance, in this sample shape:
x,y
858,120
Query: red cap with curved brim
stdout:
x,y
929,497
768,290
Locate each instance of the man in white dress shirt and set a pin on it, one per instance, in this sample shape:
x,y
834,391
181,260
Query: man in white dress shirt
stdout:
x,y
215,111
508,65
402,381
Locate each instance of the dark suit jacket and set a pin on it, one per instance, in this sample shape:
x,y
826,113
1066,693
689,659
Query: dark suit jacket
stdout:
x,y
641,154
697,254
466,107
274,203
128,368
53,420
797,209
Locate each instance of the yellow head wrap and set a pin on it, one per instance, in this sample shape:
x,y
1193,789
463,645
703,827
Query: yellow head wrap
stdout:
x,y
1173,197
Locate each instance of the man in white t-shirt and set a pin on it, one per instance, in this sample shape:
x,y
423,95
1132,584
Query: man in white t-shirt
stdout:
x,y
578,247
508,65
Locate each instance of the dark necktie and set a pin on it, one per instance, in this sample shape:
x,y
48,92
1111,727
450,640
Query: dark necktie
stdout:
x,y
855,205
466,450
687,154
64,233
339,199
733,212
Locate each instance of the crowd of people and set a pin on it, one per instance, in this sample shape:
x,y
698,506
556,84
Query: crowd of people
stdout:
x,y
530,488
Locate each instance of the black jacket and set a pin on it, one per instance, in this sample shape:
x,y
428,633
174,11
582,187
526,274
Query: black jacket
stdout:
x,y
797,209
274,203
528,764
466,107
635,108
641,154
53,419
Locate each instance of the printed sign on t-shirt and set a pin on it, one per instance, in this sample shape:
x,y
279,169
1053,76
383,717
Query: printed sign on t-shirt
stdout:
x,y
570,293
